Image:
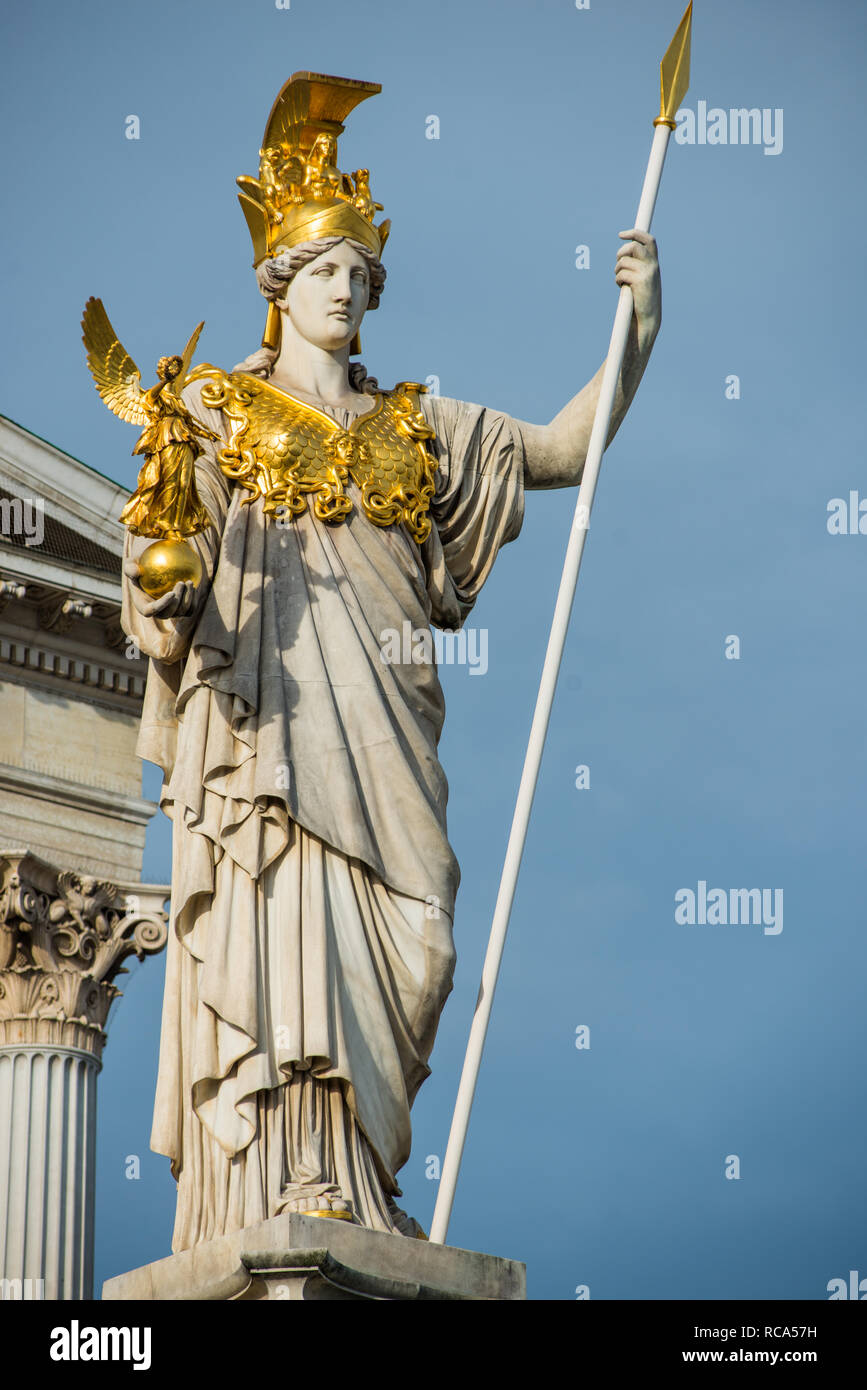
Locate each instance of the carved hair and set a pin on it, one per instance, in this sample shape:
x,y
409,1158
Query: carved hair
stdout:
x,y
274,277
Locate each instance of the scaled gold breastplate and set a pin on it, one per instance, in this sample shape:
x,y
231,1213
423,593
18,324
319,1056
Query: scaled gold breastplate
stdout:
x,y
282,449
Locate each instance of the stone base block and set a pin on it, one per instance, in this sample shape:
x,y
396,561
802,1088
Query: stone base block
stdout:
x,y
304,1258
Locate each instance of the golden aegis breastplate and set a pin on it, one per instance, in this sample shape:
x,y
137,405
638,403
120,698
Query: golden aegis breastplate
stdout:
x,y
282,449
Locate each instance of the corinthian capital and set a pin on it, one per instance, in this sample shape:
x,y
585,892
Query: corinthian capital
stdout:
x,y
64,937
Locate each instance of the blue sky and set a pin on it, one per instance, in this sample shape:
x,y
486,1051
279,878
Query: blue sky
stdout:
x,y
602,1166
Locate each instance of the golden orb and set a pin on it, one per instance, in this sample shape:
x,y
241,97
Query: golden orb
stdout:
x,y
165,563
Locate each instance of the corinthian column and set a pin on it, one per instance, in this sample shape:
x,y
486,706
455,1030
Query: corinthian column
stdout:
x,y
63,939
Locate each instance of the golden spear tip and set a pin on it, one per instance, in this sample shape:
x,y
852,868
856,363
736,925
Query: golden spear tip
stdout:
x,y
674,70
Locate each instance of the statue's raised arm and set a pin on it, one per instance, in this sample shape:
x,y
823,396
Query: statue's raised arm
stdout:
x,y
555,453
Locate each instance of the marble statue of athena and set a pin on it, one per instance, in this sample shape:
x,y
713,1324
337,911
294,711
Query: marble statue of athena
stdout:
x,y
313,884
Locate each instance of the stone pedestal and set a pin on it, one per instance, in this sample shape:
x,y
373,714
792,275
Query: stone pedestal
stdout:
x,y
298,1258
63,940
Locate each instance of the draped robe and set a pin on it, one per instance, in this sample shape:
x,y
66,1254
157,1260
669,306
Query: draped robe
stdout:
x,y
310,947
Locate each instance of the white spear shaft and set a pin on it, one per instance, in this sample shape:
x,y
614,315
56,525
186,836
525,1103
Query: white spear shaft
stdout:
x,y
551,666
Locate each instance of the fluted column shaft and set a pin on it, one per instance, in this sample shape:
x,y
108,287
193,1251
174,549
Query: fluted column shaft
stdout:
x,y
47,1170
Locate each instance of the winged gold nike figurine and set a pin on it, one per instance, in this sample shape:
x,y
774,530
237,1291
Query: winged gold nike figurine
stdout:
x,y
165,504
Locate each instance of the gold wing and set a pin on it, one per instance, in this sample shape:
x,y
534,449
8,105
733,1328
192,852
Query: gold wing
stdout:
x,y
177,386
116,375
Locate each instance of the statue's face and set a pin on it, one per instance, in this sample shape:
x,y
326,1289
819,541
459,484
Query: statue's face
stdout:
x,y
327,298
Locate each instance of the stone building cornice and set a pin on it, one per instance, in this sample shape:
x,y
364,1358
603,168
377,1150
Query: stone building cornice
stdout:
x,y
60,590
71,488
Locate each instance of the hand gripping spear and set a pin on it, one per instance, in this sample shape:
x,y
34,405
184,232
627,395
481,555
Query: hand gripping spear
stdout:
x,y
674,75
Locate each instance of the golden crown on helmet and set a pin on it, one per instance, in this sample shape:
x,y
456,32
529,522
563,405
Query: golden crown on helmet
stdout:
x,y
300,194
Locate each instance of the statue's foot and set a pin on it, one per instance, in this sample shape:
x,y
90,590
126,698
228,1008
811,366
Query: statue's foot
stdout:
x,y
336,1207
